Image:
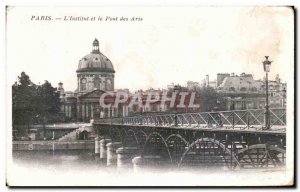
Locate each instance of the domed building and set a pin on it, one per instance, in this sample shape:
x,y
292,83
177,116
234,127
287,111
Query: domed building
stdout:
x,y
95,76
95,71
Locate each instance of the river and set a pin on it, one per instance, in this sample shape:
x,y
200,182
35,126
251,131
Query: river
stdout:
x,y
82,168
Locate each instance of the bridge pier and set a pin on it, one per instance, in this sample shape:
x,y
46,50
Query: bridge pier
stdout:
x,y
97,146
103,149
241,144
111,152
125,155
141,163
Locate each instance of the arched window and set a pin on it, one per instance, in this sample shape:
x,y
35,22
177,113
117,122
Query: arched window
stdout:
x,y
108,85
231,89
83,84
254,89
97,82
243,89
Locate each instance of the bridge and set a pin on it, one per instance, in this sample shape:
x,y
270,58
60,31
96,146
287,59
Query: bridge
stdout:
x,y
227,140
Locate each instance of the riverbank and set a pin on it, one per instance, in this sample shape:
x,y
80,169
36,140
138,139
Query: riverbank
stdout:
x,y
52,145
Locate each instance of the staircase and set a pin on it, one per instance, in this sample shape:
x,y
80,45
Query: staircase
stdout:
x,y
69,137
72,136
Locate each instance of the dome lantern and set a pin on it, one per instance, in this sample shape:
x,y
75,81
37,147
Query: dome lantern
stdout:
x,y
95,61
95,71
96,46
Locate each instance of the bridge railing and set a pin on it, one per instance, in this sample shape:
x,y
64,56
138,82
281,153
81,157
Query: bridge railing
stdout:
x,y
240,119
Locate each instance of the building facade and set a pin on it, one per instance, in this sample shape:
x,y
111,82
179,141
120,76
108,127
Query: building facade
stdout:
x,y
243,92
95,76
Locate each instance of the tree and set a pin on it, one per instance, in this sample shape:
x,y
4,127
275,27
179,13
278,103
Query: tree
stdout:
x,y
47,104
210,100
33,104
23,93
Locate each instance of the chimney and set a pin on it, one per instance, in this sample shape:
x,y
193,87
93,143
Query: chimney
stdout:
x,y
221,77
207,80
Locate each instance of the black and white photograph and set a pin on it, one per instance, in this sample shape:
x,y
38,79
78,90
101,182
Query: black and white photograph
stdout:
x,y
192,96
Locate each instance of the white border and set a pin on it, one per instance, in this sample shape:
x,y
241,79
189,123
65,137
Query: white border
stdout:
x,y
102,3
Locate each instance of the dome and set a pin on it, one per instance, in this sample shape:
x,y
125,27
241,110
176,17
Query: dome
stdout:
x,y
95,61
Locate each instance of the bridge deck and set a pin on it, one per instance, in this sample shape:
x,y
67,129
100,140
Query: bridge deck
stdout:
x,y
243,121
277,131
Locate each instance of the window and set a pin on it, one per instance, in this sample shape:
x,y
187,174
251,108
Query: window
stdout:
x,y
83,84
244,105
231,89
108,85
254,105
97,82
243,89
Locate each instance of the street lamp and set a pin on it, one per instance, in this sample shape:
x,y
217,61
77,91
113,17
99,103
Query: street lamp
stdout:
x,y
267,65
284,97
176,89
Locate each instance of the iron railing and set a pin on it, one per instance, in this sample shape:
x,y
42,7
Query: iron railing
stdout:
x,y
240,119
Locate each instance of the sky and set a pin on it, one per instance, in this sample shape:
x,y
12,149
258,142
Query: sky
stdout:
x,y
169,45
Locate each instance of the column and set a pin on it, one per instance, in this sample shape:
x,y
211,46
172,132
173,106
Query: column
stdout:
x,y
117,112
83,111
78,81
104,113
92,110
69,111
103,149
111,152
140,163
78,110
113,112
87,111
108,112
66,110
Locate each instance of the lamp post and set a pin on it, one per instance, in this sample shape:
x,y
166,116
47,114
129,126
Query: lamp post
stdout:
x,y
176,89
284,97
267,65
284,103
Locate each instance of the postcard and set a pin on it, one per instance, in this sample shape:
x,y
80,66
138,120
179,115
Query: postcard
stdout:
x,y
150,96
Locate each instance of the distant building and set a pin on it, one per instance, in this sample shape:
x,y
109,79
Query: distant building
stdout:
x,y
192,85
171,86
95,76
221,77
243,83
243,92
277,93
207,83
